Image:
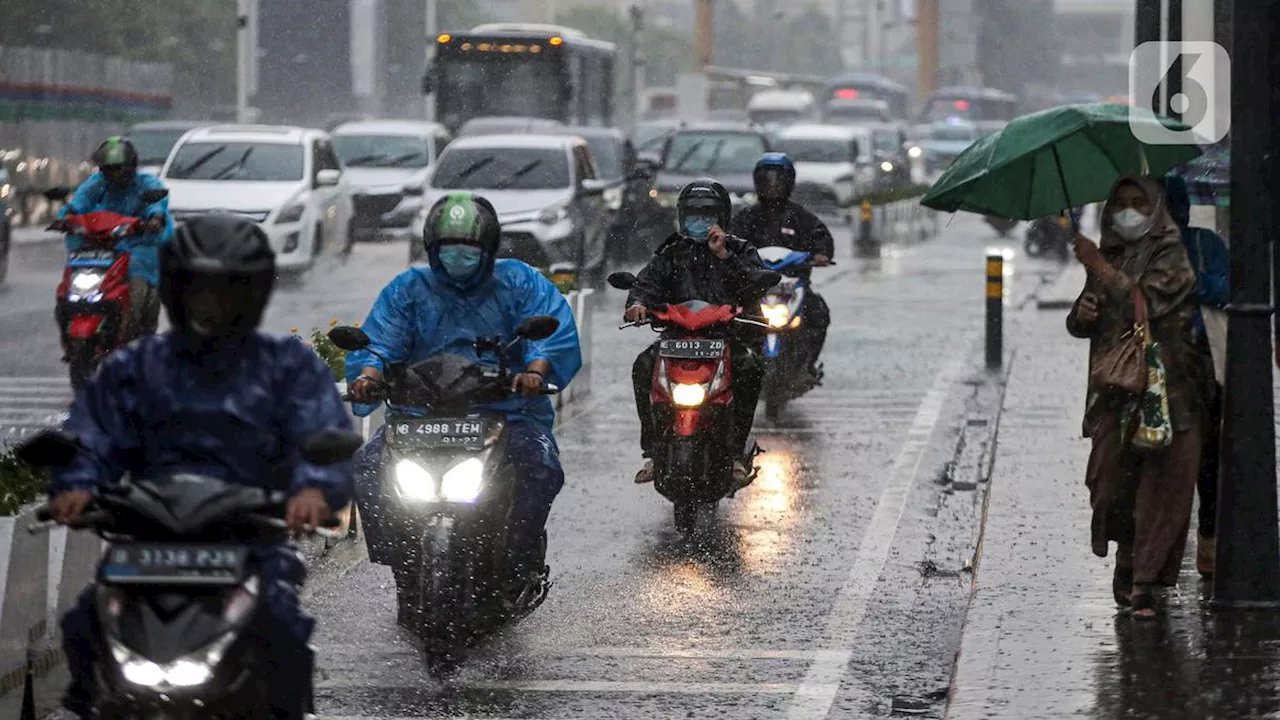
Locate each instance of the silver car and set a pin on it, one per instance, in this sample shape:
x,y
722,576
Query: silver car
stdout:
x,y
382,159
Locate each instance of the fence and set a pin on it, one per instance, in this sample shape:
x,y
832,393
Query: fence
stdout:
x,y
901,222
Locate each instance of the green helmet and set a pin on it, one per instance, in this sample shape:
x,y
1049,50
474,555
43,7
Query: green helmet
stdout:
x,y
116,152
462,217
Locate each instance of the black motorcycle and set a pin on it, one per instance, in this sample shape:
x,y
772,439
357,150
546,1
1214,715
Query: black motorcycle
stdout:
x,y
179,588
446,495
1051,234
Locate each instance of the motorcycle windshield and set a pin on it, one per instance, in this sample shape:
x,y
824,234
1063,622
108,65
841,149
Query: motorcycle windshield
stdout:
x,y
449,383
182,506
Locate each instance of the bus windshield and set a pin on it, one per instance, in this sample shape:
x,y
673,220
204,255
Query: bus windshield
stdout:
x,y
498,84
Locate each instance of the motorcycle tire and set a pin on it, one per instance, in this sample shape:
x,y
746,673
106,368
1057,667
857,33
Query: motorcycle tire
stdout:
x,y
687,513
82,361
447,598
774,404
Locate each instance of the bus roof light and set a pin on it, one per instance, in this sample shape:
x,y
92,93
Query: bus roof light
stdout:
x,y
557,40
443,38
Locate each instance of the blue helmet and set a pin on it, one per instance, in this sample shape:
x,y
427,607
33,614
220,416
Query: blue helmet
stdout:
x,y
775,177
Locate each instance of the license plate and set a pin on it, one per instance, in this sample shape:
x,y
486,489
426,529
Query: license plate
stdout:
x,y
91,258
691,349
468,433
181,564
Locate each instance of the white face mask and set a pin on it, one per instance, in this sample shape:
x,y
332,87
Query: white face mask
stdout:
x,y
1130,224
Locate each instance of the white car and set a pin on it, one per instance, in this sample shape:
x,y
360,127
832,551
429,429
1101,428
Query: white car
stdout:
x,y
833,163
546,192
287,179
385,162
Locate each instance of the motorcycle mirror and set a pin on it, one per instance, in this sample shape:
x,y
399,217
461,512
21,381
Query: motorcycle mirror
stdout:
x,y
49,449
331,446
151,197
766,279
538,327
622,280
349,338
57,194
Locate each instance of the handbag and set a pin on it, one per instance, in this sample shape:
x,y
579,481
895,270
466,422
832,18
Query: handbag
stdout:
x,y
1123,366
1154,431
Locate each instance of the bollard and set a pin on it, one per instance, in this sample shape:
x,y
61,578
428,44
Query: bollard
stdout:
x,y
864,245
995,309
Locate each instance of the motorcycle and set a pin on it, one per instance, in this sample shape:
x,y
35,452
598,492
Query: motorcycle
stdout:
x,y
179,590
1002,226
1049,234
692,396
93,301
446,495
786,356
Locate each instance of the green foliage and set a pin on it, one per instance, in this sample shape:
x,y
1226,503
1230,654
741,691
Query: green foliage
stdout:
x,y
332,355
565,282
19,483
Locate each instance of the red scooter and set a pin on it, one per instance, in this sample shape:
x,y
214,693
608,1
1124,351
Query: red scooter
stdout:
x,y
93,300
693,401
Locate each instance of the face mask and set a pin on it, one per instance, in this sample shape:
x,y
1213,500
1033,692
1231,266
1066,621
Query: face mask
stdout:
x,y
460,261
1130,224
698,227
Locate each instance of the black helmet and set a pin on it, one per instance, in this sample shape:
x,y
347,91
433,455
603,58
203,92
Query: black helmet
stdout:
x,y
703,197
774,176
216,276
463,218
117,158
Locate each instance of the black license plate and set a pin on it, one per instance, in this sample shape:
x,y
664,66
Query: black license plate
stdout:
x,y
466,433
184,564
691,349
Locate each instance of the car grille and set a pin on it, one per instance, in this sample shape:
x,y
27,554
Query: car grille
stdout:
x,y
522,246
370,208
254,215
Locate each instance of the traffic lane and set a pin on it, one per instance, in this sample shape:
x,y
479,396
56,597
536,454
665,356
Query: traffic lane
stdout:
x,y
643,622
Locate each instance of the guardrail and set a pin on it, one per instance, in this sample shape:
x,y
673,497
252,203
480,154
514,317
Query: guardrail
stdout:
x,y
896,222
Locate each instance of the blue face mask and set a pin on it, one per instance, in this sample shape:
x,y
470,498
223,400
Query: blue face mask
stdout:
x,y
460,261
698,227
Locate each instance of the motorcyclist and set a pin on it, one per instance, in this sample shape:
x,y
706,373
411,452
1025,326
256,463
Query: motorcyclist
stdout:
x,y
216,398
777,221
467,293
700,261
118,187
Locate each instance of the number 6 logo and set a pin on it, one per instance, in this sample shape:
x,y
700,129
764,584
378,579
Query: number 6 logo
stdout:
x,y
1204,101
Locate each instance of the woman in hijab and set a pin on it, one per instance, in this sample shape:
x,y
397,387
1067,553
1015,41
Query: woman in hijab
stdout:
x,y
1141,498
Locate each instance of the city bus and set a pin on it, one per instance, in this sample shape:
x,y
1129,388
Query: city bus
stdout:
x,y
987,108
864,86
525,70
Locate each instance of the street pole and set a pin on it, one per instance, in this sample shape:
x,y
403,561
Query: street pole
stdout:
x,y
1173,34
429,52
927,47
705,36
1248,554
243,60
1147,28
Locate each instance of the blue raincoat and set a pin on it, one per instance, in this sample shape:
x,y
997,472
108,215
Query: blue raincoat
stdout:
x,y
1205,249
418,316
144,250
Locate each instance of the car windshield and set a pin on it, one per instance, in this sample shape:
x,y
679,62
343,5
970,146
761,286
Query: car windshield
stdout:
x,y
153,146
389,151
695,153
816,150
502,168
954,133
764,117
887,141
604,150
649,138
238,161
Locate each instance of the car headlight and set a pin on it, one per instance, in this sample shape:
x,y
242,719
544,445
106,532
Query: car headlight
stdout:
x,y
464,481
664,199
553,215
915,151
886,166
291,214
86,283
414,482
776,315
613,198
5,190
688,394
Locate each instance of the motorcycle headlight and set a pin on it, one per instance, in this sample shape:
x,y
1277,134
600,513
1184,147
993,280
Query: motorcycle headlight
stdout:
x,y
886,166
688,394
553,215
795,322
463,482
291,214
414,482
915,151
187,671
776,315
85,283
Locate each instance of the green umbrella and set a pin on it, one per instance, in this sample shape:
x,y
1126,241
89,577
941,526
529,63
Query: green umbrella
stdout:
x,y
1058,158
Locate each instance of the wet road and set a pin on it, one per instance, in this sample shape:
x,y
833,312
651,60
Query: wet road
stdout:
x,y
834,586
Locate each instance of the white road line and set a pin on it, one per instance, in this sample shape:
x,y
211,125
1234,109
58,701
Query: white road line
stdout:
x,y
818,690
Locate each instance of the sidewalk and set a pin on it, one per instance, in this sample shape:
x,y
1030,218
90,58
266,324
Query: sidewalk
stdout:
x,y
1043,638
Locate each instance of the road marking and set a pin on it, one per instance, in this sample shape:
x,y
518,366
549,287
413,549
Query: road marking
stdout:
x,y
551,651
817,692
600,686
30,404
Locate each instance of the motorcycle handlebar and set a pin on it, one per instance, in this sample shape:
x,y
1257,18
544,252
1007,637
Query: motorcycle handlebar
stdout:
x,y
380,394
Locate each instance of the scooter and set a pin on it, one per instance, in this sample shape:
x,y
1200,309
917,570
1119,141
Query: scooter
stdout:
x,y
693,401
1049,234
93,300
786,356
445,497
179,590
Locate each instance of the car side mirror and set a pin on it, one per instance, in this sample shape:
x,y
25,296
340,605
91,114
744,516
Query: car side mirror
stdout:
x,y
351,339
49,449
593,186
150,197
57,194
622,280
413,189
538,327
331,446
328,177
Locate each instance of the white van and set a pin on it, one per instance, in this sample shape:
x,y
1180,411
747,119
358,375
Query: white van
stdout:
x,y
775,109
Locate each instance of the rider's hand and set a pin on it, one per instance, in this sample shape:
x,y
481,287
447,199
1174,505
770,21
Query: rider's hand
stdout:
x,y
66,506
307,510
364,390
716,242
821,260
527,383
151,225
636,313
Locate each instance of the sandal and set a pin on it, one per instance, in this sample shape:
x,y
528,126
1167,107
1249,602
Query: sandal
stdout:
x,y
1143,604
1122,584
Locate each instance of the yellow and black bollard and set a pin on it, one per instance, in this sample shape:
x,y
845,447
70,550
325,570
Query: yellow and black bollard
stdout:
x,y
865,244
995,309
